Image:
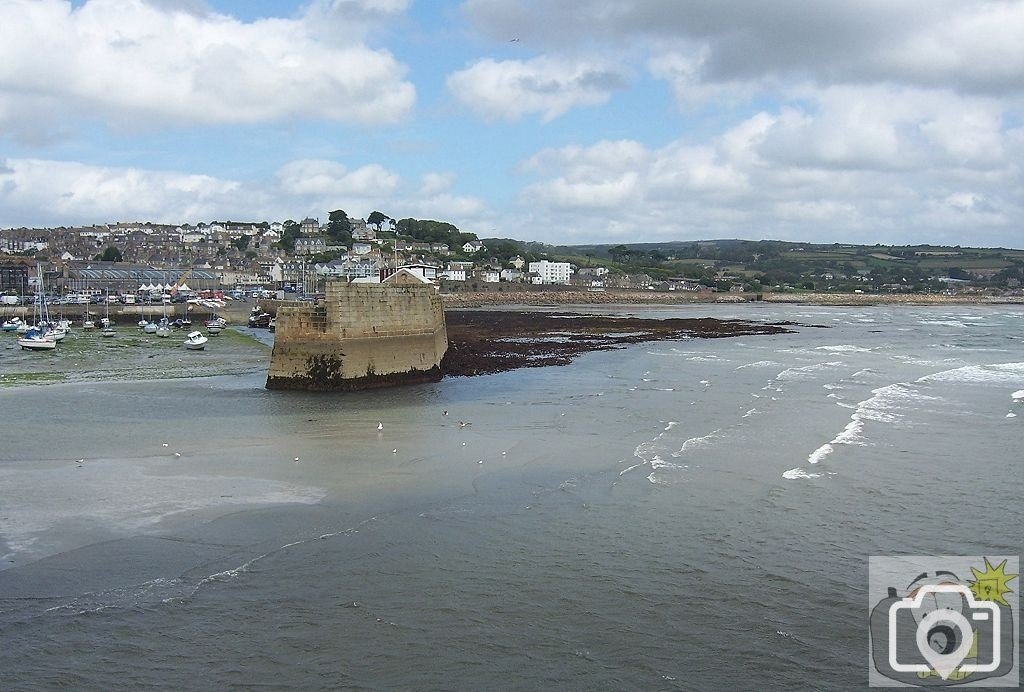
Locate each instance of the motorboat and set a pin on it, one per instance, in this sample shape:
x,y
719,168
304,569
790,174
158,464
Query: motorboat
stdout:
x,y
150,328
12,324
196,341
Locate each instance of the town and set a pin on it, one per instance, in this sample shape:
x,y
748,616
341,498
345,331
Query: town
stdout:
x,y
133,260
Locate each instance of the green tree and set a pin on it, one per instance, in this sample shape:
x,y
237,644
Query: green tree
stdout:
x,y
241,243
111,254
376,218
289,234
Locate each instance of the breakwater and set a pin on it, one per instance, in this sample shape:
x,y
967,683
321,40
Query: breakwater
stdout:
x,y
360,336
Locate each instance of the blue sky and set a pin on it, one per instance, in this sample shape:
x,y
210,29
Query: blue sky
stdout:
x,y
604,121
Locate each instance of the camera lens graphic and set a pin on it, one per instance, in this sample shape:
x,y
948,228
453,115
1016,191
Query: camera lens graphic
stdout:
x,y
943,639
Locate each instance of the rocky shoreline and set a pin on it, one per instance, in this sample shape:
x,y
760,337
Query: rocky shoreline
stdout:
x,y
484,342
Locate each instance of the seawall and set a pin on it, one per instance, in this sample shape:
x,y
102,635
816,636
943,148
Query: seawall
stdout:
x,y
360,337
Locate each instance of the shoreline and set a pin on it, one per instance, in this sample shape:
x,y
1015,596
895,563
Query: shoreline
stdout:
x,y
583,297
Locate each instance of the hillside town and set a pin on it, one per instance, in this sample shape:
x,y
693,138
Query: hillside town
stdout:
x,y
296,257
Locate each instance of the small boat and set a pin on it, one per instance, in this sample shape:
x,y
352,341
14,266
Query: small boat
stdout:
x,y
150,328
108,332
11,324
196,341
88,324
142,323
59,332
23,327
163,329
37,340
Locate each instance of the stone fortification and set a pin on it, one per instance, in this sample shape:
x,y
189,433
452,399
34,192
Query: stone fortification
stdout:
x,y
361,336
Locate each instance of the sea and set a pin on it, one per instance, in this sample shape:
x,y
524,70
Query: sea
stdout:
x,y
693,514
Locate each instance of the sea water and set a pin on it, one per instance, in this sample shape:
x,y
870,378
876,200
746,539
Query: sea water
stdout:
x,y
692,514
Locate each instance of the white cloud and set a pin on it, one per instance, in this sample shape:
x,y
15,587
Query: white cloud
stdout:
x,y
550,86
39,192
320,178
137,65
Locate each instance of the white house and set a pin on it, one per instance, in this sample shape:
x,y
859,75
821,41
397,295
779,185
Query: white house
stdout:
x,y
361,248
424,271
511,275
454,274
490,276
472,246
551,272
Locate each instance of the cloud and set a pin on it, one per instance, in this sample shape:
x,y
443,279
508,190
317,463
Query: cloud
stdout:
x,y
320,178
871,165
549,86
40,192
138,64
966,45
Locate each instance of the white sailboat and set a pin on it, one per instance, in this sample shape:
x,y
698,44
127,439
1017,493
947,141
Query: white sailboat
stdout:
x,y
163,328
39,337
108,329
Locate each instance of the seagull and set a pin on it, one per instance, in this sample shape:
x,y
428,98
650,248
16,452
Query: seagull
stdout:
x,y
394,451
380,426
464,423
445,412
177,454
164,444
296,459
513,40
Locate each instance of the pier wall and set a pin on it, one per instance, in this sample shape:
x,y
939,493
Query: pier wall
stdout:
x,y
361,336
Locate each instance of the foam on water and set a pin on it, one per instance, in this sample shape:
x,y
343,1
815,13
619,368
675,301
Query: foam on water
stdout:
x,y
844,348
998,373
798,473
759,364
807,371
1018,395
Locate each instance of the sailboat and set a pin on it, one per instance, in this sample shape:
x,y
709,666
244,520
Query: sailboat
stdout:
x,y
39,337
108,329
163,328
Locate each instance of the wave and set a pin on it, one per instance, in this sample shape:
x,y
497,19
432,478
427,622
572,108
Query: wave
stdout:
x,y
798,473
799,373
999,373
759,364
1018,395
844,348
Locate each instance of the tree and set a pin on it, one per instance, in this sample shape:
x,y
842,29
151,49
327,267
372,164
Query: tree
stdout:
x,y
339,227
289,234
111,254
376,218
619,253
241,243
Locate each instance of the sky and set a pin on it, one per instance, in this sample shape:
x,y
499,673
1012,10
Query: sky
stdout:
x,y
563,121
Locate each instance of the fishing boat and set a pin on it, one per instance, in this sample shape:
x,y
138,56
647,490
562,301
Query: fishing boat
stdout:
x,y
196,341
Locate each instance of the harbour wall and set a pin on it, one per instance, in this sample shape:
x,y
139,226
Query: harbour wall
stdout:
x,y
360,336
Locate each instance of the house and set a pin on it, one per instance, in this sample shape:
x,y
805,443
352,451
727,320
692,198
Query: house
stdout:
x,y
454,274
309,246
405,277
426,271
472,246
592,272
310,226
360,231
511,275
490,276
439,249
517,262
361,248
551,272
355,269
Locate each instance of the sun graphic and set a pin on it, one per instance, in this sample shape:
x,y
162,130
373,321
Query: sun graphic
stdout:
x,y
991,585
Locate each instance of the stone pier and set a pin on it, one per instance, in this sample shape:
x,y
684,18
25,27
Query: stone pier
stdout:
x,y
360,337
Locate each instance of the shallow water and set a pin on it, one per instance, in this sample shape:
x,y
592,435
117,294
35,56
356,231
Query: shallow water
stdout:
x,y
676,515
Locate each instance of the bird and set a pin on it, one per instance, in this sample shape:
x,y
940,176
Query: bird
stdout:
x,y
513,40
464,423
164,444
445,413
380,426
394,451
296,459
177,454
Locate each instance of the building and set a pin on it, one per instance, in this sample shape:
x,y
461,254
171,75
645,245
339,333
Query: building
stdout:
x,y
517,262
472,247
309,246
551,272
310,226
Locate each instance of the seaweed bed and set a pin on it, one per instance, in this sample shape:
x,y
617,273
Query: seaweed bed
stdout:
x,y
482,342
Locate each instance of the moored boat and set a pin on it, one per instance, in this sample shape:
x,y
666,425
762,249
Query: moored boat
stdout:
x,y
36,339
196,341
